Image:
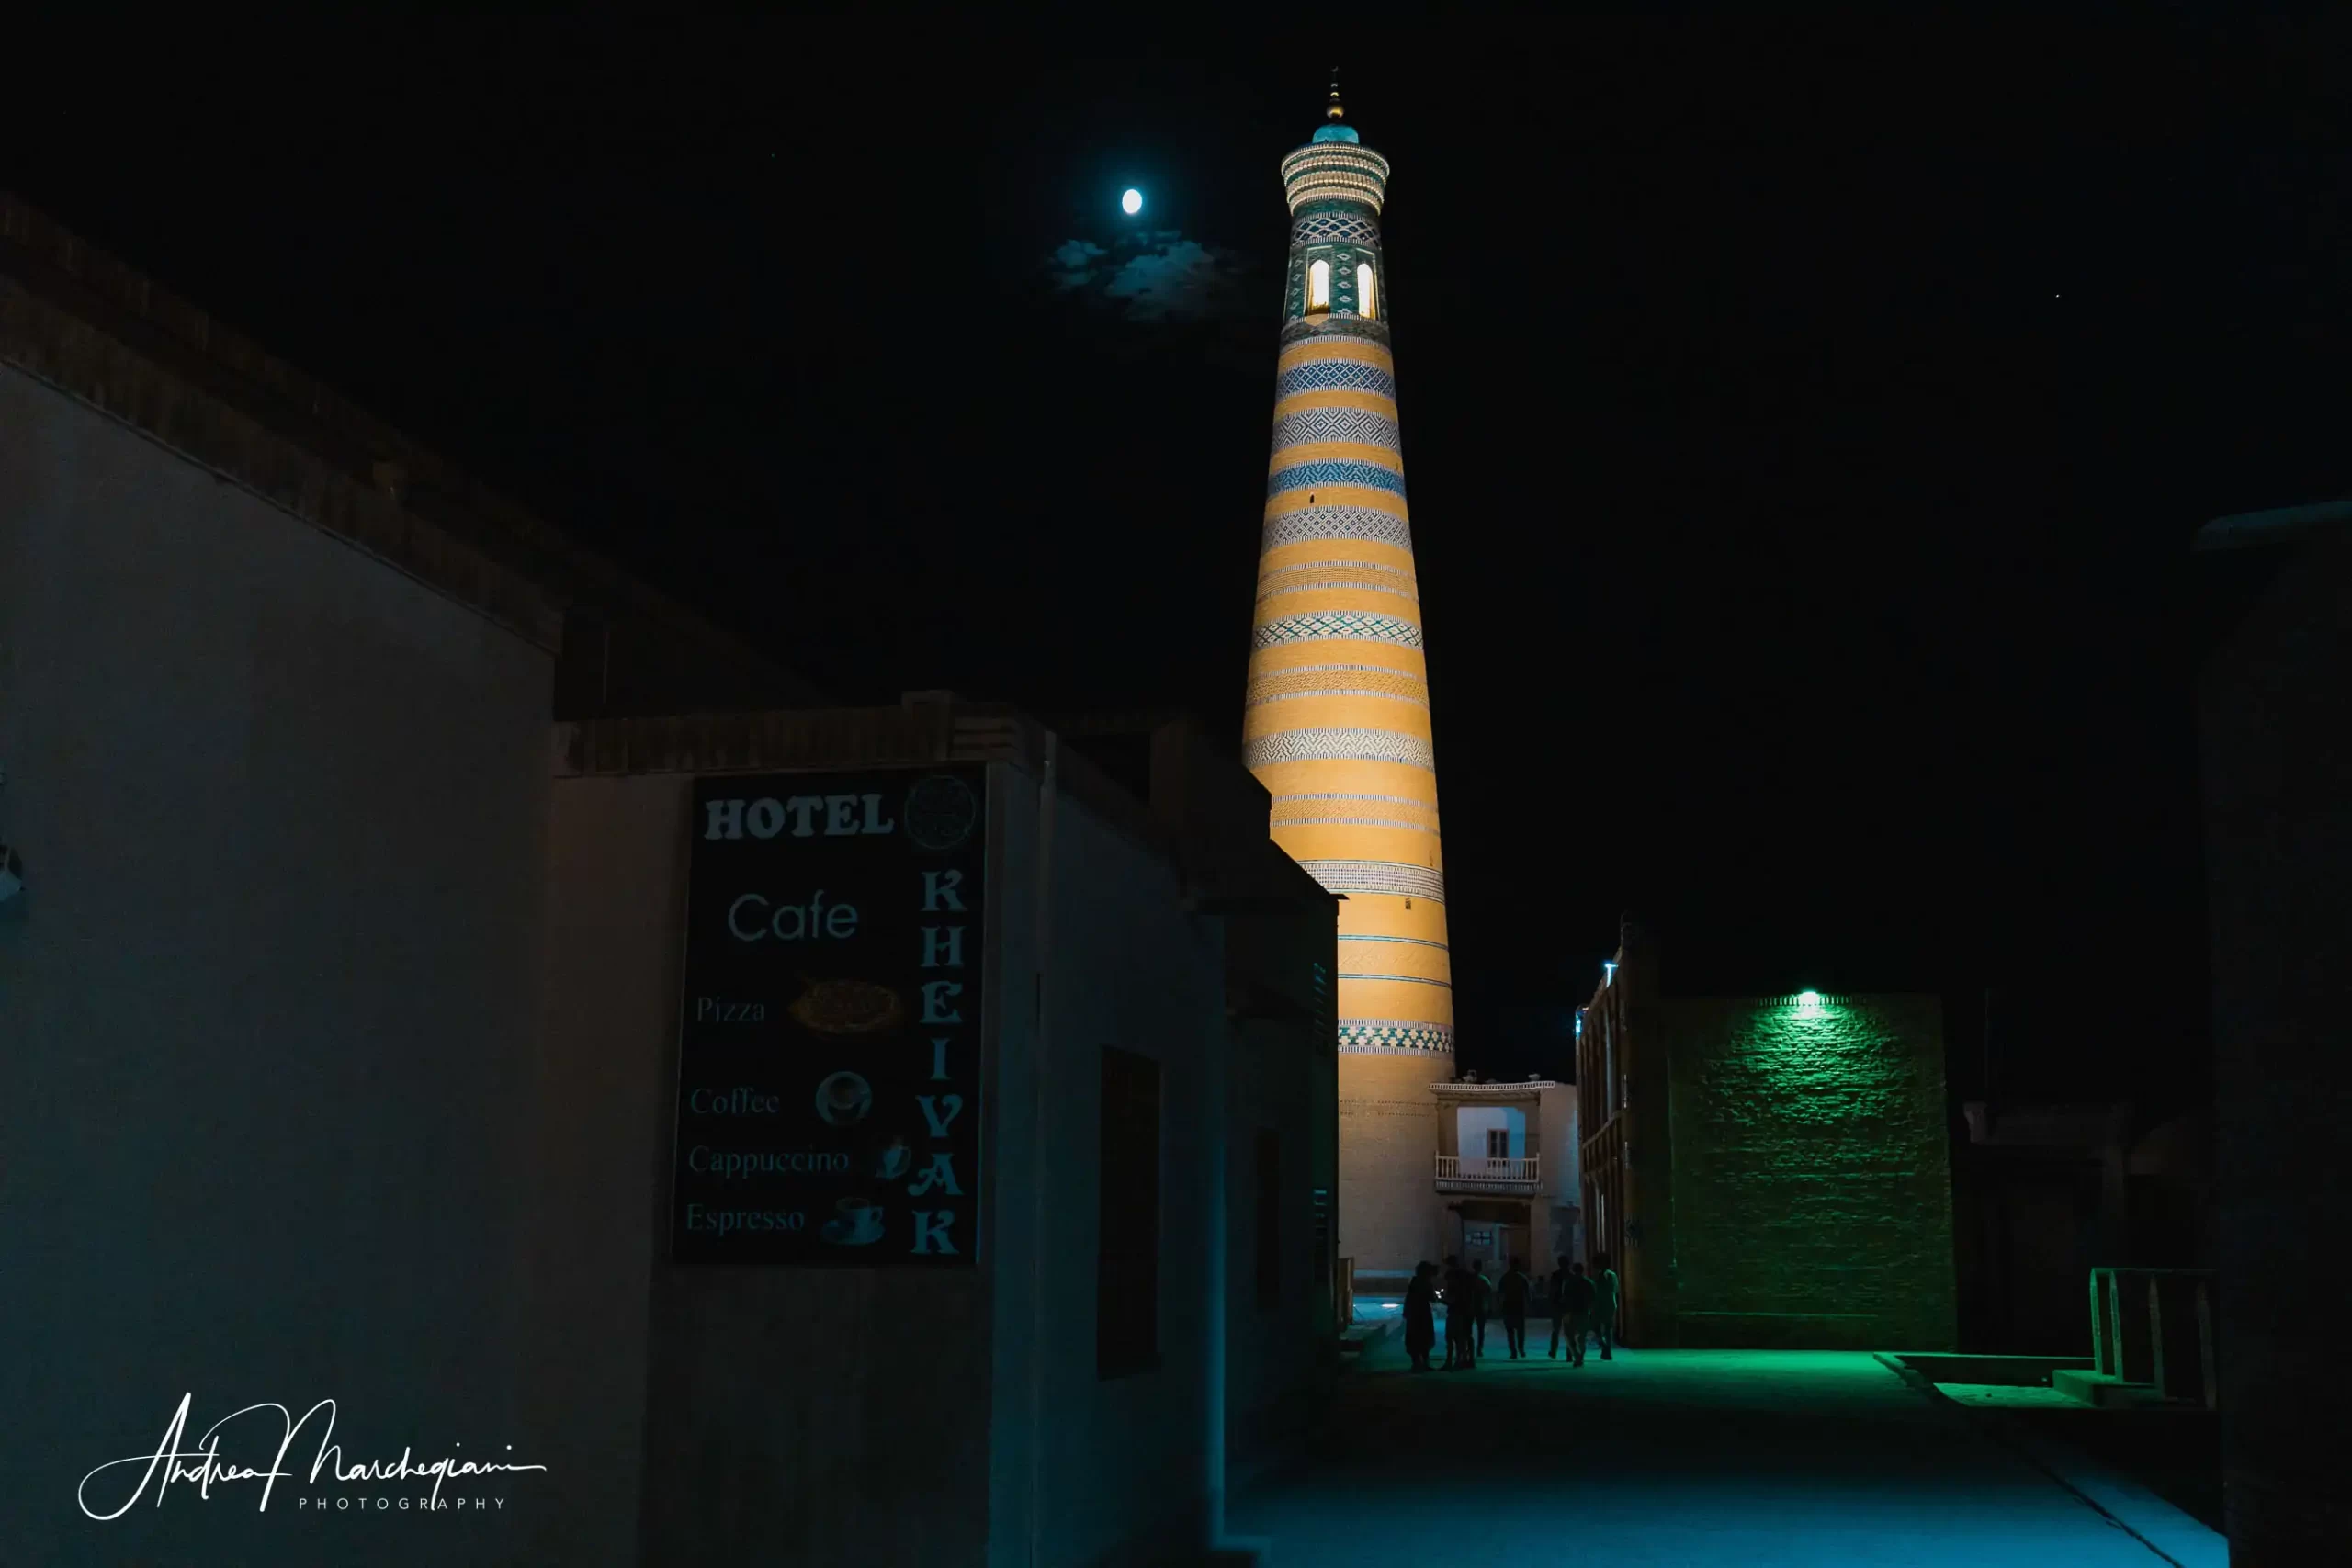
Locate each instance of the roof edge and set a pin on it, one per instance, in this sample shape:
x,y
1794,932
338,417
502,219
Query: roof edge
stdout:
x,y
2247,530
319,440
57,348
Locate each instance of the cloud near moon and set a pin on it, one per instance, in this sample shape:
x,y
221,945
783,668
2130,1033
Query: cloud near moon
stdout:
x,y
1154,276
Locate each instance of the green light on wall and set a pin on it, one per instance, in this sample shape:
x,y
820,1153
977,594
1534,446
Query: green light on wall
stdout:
x,y
1809,1004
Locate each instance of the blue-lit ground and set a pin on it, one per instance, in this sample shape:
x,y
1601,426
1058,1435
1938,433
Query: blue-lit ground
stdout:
x,y
1748,1458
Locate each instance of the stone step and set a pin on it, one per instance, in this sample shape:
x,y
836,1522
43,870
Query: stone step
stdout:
x,y
2104,1390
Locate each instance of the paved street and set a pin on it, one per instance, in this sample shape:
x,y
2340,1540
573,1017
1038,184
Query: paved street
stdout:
x,y
1758,1459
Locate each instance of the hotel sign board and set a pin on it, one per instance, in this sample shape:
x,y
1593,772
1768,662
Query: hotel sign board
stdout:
x,y
829,1060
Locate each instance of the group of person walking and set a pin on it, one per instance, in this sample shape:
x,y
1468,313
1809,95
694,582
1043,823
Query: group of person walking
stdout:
x,y
1582,1306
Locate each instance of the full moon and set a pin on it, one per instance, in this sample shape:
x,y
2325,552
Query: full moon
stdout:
x,y
1132,202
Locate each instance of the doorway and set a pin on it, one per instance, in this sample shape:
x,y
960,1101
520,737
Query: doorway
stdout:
x,y
1494,1234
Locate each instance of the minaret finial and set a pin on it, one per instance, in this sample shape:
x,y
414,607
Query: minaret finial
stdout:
x,y
1334,111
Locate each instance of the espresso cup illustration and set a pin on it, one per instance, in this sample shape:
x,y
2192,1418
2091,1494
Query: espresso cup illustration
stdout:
x,y
843,1099
856,1223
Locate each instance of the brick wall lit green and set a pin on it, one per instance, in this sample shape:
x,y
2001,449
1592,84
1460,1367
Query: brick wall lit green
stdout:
x,y
1812,1178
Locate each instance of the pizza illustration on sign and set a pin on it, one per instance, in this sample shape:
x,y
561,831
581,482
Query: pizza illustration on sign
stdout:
x,y
848,1007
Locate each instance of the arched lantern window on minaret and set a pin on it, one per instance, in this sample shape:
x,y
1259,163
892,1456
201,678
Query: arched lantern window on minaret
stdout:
x,y
1338,708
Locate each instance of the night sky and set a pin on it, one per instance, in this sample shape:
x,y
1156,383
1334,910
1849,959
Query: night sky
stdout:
x,y
1807,426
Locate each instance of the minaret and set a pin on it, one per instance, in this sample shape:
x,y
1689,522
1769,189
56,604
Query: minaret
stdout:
x,y
1338,723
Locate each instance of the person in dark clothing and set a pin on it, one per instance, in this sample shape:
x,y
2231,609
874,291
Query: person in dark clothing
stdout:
x,y
1572,1309
1437,1293
1604,1304
1461,1316
1486,1303
1421,1316
1513,1293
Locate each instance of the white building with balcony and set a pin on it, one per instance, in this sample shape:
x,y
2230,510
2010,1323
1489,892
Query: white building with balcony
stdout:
x,y
1505,1174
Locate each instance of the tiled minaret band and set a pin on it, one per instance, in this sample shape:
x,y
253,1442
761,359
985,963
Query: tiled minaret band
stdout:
x,y
1338,725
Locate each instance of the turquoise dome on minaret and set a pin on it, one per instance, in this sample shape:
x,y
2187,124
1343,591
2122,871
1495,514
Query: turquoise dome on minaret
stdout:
x,y
1337,133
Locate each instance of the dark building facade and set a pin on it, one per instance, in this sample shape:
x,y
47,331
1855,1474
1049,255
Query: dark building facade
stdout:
x,y
354,1048
2045,1193
1156,981
1770,1171
2275,716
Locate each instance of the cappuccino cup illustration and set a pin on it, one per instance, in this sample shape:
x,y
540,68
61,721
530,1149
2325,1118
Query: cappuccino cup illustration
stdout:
x,y
857,1221
843,1099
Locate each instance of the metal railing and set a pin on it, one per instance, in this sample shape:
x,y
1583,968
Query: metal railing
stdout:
x,y
2156,1326
1478,1167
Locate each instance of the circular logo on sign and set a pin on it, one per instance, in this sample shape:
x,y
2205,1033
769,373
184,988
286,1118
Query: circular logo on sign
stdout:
x,y
844,1099
941,812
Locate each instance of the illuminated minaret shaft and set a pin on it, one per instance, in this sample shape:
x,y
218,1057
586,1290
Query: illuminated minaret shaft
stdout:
x,y
1337,725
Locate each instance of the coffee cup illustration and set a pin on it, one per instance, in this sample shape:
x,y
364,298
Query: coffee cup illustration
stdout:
x,y
843,1099
857,1221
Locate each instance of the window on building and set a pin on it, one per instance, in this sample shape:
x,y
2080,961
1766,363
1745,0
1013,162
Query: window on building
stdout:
x,y
1365,303
1318,286
1610,1088
1321,1269
1499,1143
1126,1280
1270,1219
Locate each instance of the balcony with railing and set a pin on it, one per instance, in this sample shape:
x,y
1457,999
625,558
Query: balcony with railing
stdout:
x,y
1476,1173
